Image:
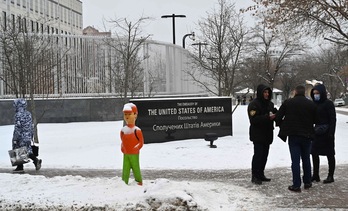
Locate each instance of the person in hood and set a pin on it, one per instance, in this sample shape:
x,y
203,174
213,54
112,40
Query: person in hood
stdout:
x,y
324,139
132,141
23,132
296,118
261,113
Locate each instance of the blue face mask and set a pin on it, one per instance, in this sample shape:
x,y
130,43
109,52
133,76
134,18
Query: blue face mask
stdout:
x,y
316,97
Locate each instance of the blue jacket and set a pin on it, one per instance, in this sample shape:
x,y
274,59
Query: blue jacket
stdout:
x,y
23,126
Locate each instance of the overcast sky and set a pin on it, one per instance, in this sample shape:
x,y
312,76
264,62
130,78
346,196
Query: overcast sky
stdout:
x,y
94,12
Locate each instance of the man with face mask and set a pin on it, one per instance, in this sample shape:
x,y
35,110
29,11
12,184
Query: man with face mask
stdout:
x,y
324,140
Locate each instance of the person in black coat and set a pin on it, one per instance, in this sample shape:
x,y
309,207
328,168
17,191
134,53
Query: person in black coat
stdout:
x,y
261,113
296,118
324,141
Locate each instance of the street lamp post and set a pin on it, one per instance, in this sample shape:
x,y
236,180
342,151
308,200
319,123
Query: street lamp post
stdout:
x,y
218,68
173,16
212,61
183,39
200,48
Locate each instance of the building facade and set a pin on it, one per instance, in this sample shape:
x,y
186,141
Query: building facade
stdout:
x,y
43,16
84,64
88,66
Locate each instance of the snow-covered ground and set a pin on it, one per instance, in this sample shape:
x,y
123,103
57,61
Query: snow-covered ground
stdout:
x,y
96,145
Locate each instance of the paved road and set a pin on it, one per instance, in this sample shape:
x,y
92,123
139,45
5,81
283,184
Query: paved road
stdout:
x,y
332,196
342,112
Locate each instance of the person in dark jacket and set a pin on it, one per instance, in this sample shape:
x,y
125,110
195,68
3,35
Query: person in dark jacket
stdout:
x,y
23,132
324,141
296,118
261,113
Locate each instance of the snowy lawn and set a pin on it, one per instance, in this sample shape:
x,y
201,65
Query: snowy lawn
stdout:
x,y
96,145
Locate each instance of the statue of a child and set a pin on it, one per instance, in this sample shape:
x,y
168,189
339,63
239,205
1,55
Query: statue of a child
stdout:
x,y
132,141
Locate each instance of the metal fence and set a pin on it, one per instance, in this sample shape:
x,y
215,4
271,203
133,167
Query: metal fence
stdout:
x,y
87,69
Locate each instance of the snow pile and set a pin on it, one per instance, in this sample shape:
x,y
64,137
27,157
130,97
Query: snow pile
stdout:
x,y
79,193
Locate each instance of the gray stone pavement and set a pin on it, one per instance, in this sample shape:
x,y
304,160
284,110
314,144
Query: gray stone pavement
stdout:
x,y
321,196
342,112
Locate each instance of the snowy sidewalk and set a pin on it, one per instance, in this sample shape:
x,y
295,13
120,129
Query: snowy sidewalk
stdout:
x,y
80,162
321,196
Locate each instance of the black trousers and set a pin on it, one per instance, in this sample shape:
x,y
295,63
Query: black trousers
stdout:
x,y
259,160
316,163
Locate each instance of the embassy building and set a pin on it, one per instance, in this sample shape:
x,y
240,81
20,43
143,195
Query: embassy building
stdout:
x,y
44,16
84,63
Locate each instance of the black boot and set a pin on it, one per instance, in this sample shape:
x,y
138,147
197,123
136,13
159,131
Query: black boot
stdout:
x,y
37,162
307,186
265,179
294,189
19,169
329,179
256,180
315,178
332,165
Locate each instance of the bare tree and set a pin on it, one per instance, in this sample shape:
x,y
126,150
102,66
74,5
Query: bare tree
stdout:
x,y
272,50
328,65
327,18
126,45
296,72
250,77
223,32
332,62
28,62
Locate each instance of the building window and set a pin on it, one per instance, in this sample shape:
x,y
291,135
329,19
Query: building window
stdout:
x,y
47,10
25,25
19,22
4,18
13,19
31,5
42,7
36,6
32,26
52,9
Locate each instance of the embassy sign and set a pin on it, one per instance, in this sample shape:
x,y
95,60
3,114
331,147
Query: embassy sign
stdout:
x,y
170,119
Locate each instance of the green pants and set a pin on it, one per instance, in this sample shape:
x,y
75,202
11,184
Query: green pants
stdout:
x,y
131,161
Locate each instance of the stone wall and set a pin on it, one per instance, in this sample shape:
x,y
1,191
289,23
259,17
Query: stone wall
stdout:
x,y
68,110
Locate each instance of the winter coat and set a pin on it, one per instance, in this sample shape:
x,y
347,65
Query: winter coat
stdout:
x,y
261,126
23,126
296,117
324,141
132,139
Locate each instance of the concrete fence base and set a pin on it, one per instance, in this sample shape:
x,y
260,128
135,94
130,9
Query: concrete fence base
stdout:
x,y
68,110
